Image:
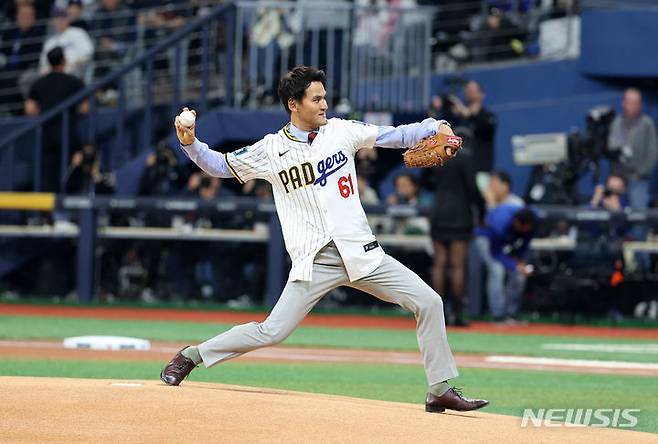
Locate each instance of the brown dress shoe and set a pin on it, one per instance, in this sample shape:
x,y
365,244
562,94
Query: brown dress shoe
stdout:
x,y
452,400
177,369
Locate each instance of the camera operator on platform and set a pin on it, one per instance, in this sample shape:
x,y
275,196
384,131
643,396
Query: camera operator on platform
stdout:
x,y
633,134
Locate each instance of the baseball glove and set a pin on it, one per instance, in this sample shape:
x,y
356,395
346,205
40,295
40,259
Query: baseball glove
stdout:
x,y
432,151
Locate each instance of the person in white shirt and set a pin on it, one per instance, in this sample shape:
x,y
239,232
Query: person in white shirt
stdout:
x,y
310,164
78,47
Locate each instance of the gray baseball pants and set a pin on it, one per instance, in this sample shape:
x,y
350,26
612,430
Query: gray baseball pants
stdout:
x,y
390,282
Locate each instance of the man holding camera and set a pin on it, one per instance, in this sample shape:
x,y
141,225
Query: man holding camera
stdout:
x,y
612,196
633,134
482,122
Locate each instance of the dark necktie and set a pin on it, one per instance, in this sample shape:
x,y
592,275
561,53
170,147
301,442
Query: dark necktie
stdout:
x,y
311,136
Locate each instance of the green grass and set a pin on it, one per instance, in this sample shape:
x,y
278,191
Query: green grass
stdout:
x,y
509,391
378,311
36,327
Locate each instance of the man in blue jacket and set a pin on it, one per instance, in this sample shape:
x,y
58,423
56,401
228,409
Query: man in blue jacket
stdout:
x,y
502,244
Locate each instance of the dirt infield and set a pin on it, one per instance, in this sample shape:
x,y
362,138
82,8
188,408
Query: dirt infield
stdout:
x,y
390,322
62,410
163,351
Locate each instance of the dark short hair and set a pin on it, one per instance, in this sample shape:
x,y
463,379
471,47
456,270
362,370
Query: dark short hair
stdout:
x,y
503,177
618,175
411,177
526,216
476,82
293,85
55,56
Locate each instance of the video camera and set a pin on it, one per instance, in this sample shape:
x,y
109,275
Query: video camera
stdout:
x,y
592,144
556,183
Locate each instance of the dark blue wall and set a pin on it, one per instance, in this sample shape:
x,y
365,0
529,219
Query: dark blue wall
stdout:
x,y
620,43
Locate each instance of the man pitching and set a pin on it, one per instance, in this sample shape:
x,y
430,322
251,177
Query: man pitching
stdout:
x,y
310,164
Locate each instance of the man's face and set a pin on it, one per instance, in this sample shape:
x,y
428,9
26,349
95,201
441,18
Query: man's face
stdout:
x,y
616,185
311,111
499,189
405,187
25,17
632,104
60,23
472,92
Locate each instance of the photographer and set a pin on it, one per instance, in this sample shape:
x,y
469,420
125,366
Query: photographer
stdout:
x,y
633,135
612,196
84,175
479,120
163,175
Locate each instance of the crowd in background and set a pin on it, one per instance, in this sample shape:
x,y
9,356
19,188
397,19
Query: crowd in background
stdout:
x,y
100,35
97,36
480,230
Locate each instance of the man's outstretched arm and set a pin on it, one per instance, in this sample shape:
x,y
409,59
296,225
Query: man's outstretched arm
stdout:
x,y
406,136
212,162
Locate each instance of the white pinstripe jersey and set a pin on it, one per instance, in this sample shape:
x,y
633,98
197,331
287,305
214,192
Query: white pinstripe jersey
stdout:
x,y
316,193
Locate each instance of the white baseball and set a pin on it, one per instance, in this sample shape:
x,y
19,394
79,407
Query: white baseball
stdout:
x,y
187,118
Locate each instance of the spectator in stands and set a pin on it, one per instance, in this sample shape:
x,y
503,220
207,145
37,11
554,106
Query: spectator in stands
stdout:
x,y
406,190
46,93
498,38
160,20
78,47
205,187
84,175
452,220
633,133
503,243
481,121
76,15
453,18
20,46
163,175
499,191
114,31
366,193
41,7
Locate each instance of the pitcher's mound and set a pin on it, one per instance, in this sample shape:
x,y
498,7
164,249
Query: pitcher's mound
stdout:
x,y
54,410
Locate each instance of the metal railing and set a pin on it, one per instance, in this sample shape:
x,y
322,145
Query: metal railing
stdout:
x,y
141,68
374,57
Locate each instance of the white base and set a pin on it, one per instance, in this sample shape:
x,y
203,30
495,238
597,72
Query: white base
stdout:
x,y
107,343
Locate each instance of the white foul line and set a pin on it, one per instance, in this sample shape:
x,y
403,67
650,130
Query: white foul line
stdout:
x,y
529,360
649,349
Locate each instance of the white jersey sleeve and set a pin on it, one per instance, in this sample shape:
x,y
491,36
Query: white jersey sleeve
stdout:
x,y
251,162
362,135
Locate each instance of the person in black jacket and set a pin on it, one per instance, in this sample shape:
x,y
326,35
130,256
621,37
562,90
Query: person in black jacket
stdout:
x,y
482,122
452,221
45,94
